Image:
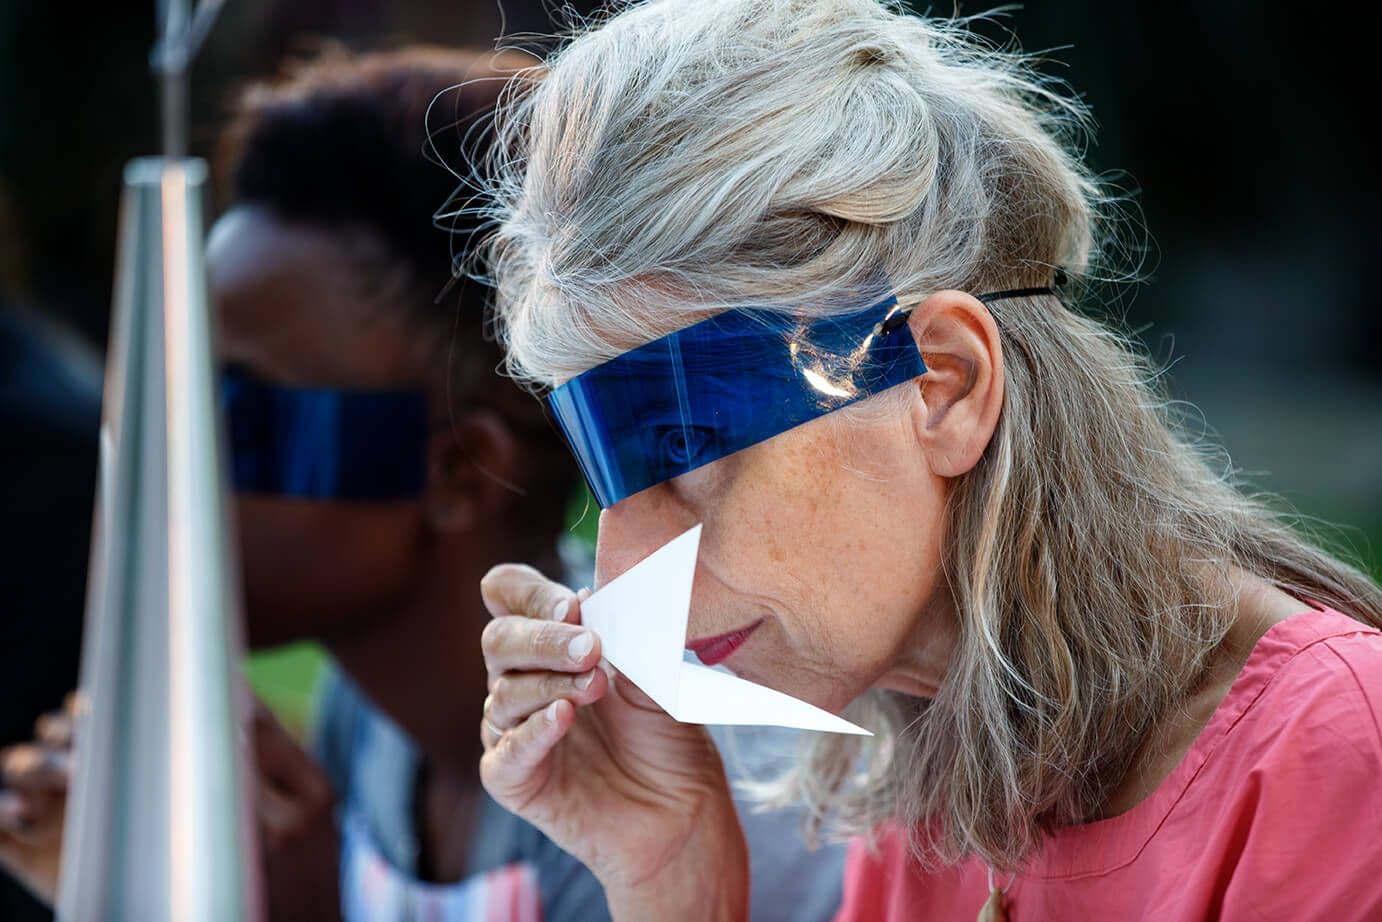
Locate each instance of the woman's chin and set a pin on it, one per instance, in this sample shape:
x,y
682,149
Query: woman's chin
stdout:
x,y
788,681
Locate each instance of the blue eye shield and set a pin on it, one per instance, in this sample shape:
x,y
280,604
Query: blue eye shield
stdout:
x,y
721,385
716,387
321,444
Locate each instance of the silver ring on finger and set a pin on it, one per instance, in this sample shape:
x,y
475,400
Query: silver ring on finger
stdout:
x,y
489,725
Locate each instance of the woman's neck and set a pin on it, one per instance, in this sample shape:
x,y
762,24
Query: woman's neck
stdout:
x,y
1259,606
446,810
421,665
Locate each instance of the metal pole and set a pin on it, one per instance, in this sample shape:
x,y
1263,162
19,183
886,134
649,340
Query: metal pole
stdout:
x,y
158,827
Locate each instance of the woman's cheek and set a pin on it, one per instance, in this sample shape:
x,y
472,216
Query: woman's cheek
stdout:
x,y
805,659
312,568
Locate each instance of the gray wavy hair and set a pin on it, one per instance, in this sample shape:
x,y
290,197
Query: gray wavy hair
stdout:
x,y
684,157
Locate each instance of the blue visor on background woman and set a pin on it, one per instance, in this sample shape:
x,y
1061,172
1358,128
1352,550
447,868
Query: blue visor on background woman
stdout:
x,y
316,443
721,385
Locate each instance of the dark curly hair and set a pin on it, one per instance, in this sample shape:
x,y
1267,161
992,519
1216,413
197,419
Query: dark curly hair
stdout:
x,y
347,141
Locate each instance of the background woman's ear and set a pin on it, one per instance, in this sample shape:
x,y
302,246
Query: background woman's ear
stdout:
x,y
962,390
472,469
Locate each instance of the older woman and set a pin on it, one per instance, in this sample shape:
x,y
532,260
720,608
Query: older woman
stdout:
x,y
1104,683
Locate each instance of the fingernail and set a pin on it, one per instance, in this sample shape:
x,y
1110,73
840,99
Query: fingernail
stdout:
x,y
584,594
580,646
584,681
559,611
551,712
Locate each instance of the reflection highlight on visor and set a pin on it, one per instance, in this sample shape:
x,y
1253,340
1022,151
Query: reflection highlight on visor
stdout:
x,y
722,385
818,381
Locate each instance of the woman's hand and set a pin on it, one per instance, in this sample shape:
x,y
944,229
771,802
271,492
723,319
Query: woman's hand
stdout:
x,y
590,760
300,846
34,779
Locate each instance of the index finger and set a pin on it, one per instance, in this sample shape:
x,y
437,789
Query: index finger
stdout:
x,y
517,589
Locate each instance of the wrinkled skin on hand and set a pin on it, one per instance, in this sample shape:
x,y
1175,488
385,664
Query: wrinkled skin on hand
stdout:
x,y
581,753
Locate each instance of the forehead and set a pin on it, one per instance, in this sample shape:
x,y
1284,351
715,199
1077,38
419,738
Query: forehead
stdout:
x,y
309,305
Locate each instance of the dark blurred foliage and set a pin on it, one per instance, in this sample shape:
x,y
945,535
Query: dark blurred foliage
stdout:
x,y
77,102
1243,127
50,398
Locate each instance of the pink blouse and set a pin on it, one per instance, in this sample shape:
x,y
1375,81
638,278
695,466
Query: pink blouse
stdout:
x,y
1275,813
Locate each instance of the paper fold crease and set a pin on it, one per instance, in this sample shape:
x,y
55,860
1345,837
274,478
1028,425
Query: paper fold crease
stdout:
x,y
641,619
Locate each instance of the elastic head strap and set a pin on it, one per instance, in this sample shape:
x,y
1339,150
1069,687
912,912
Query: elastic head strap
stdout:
x,y
898,319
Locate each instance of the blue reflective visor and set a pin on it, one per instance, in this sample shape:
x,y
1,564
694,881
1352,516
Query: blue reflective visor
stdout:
x,y
324,444
721,385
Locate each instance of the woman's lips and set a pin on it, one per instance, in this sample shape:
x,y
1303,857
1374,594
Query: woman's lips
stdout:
x,y
717,649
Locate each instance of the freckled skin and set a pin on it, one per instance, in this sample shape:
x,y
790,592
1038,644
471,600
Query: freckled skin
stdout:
x,y
831,532
830,538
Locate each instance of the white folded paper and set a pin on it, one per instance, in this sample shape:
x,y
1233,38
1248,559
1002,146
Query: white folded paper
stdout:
x,y
641,620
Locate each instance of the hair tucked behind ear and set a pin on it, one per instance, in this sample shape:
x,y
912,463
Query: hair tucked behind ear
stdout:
x,y
685,157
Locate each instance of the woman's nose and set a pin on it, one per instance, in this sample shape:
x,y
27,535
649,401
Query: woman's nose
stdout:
x,y
636,526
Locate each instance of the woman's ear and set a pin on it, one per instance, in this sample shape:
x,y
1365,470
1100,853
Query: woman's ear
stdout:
x,y
962,389
472,467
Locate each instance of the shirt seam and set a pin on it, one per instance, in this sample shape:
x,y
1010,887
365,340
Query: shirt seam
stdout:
x,y
1209,752
1362,690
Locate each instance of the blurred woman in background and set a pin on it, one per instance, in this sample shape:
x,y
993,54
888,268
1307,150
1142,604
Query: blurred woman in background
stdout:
x,y
331,282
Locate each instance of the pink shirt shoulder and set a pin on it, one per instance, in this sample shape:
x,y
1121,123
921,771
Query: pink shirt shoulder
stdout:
x,y
1274,813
